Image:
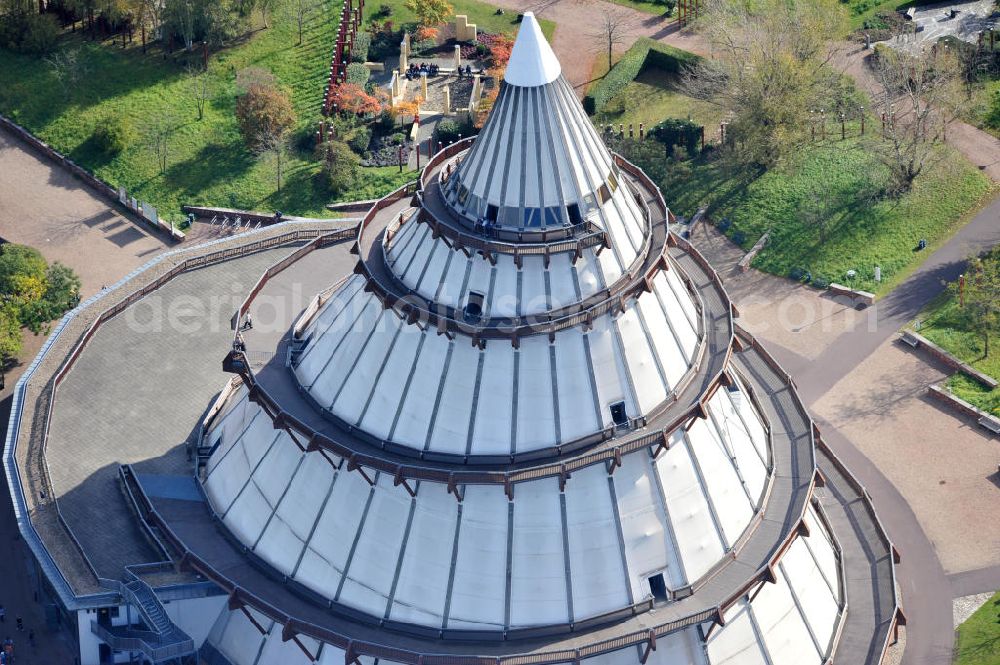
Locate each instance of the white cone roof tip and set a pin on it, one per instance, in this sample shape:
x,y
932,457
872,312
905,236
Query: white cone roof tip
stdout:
x,y
532,62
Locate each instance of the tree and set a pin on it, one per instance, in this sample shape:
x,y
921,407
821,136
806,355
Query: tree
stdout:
x,y
352,98
768,71
263,112
430,13
339,166
272,144
159,138
251,76
200,87
301,9
22,275
918,93
68,68
980,296
613,27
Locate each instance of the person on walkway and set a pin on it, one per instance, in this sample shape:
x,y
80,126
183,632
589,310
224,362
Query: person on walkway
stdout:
x,y
3,614
20,625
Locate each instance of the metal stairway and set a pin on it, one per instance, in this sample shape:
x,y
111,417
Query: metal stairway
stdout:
x,y
162,642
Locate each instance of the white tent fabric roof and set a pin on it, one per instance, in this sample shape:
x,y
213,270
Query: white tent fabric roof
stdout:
x,y
532,61
419,389
789,622
330,530
445,276
539,163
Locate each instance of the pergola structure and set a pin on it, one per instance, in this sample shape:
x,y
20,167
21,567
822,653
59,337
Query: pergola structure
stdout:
x,y
514,421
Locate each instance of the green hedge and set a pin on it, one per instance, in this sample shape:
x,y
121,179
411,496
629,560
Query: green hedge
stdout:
x,y
644,52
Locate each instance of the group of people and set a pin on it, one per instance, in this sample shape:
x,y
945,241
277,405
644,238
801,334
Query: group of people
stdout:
x,y
414,72
7,650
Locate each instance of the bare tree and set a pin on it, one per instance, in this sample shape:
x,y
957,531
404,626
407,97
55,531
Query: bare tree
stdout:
x,y
770,66
301,9
159,139
68,68
614,26
272,145
200,87
918,92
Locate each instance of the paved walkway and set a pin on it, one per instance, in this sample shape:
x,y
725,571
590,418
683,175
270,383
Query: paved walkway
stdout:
x,y
43,206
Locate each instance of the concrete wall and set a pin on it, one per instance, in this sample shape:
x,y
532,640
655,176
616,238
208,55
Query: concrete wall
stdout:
x,y
195,616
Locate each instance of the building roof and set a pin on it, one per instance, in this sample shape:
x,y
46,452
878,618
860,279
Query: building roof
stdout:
x,y
532,62
581,481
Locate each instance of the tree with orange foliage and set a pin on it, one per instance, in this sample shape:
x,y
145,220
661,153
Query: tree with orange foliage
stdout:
x,y
430,12
424,32
352,98
409,108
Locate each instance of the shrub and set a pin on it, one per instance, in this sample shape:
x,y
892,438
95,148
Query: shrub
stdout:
x,y
678,132
383,12
263,112
739,237
398,138
724,224
821,283
113,134
339,169
359,51
993,117
449,131
357,74
644,52
360,139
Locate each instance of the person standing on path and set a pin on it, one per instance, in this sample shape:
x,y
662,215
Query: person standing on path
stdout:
x,y
3,614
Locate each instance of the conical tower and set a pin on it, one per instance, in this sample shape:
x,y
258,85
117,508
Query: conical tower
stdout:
x,y
526,429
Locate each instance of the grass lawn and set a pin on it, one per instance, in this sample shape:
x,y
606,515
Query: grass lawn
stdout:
x,y
979,636
654,96
207,163
836,178
979,108
942,323
860,234
484,15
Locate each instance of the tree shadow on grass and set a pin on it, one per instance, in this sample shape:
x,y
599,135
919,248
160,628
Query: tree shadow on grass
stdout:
x,y
212,164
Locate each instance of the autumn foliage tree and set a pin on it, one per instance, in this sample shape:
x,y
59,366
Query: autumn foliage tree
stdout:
x,y
430,12
352,98
263,114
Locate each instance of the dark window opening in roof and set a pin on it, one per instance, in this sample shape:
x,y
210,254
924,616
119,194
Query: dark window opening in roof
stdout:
x,y
474,306
658,587
618,415
574,214
491,212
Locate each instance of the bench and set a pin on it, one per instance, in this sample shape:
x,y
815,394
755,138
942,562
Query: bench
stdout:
x,y
910,338
992,424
